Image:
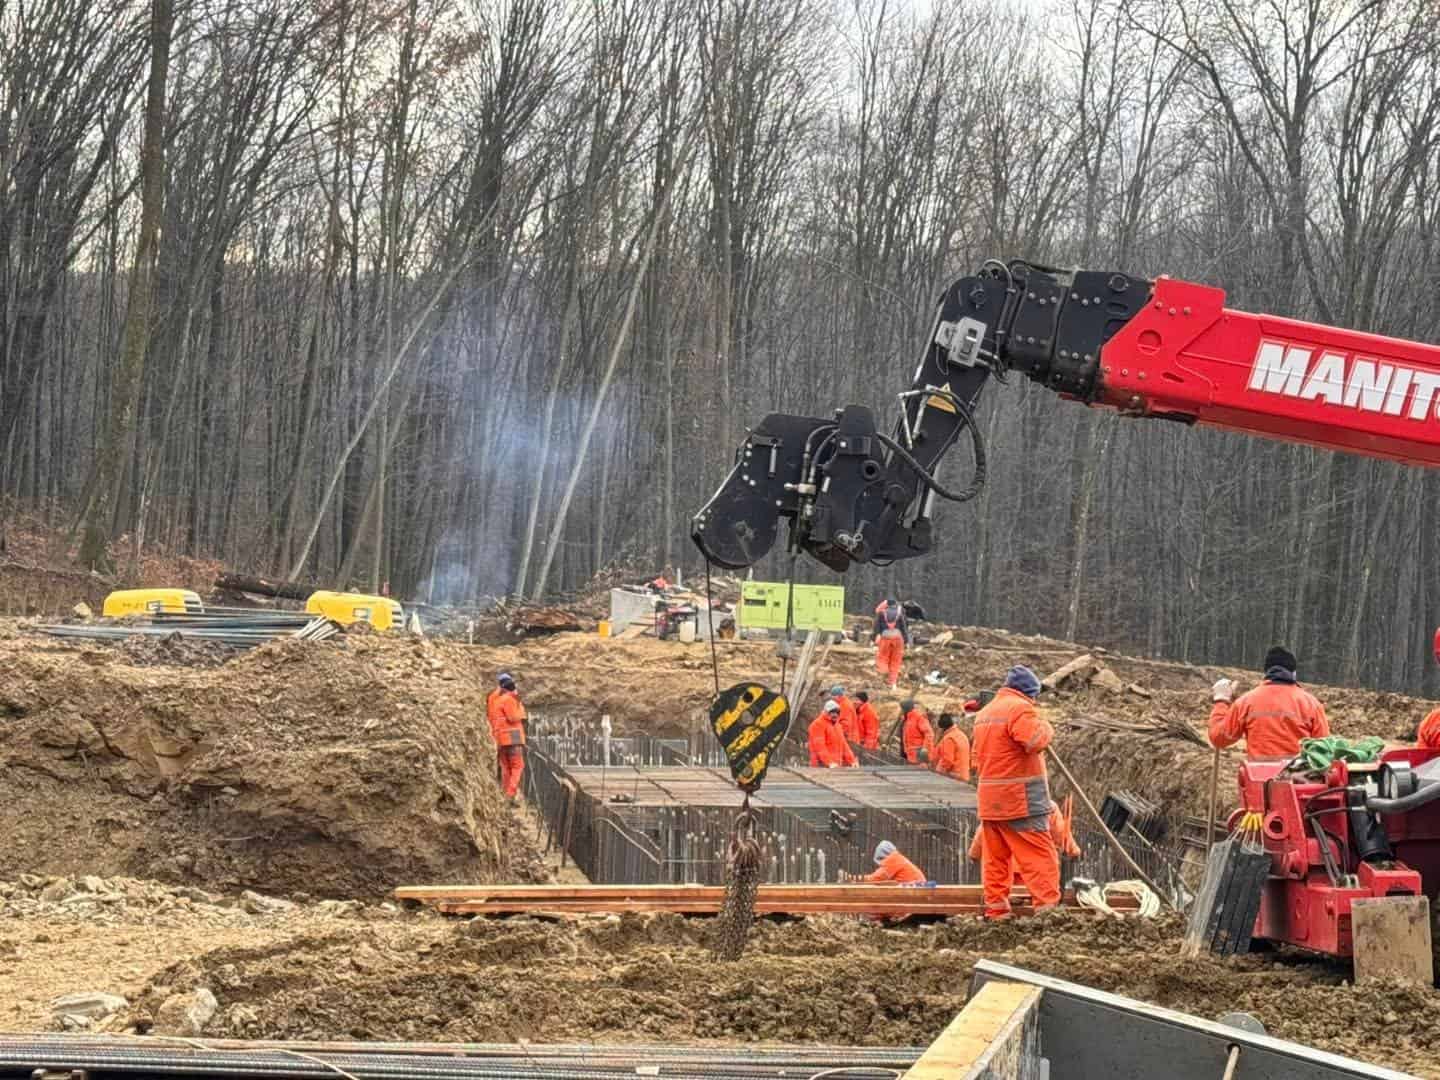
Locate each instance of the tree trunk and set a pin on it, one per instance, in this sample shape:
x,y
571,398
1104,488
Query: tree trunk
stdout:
x,y
112,462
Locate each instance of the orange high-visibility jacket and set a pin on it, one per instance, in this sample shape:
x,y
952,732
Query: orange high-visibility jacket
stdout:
x,y
869,721
1272,719
506,716
849,719
1429,734
917,733
952,754
896,868
1007,751
827,744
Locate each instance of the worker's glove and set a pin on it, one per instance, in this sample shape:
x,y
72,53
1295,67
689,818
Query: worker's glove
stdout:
x,y
832,765
1223,690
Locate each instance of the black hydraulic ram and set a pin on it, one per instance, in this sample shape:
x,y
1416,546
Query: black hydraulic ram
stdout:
x,y
853,493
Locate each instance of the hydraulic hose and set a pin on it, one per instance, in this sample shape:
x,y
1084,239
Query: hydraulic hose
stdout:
x,y
1427,794
977,482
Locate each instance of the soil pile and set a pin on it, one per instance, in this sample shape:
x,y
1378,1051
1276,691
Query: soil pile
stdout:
x,y
335,770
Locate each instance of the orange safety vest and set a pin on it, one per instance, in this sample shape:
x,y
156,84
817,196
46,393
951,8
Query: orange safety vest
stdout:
x,y
1007,751
1272,719
952,754
849,719
827,743
916,733
506,716
897,868
869,721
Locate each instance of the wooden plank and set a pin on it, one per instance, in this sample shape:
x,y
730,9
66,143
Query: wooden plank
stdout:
x,y
896,901
863,893
892,911
1391,938
995,1037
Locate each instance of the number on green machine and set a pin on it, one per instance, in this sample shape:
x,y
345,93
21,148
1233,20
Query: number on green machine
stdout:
x,y
750,722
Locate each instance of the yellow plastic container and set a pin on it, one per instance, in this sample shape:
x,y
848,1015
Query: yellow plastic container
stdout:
x,y
345,608
604,627
151,601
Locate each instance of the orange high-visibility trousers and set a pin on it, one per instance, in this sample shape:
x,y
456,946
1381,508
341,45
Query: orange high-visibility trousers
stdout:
x,y
889,656
1035,860
512,765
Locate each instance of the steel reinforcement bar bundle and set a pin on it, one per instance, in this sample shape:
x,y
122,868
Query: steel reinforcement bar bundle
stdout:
x,y
238,628
23,1057
613,840
680,844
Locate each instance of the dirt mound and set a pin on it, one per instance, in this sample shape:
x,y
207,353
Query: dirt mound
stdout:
x,y
337,770
652,978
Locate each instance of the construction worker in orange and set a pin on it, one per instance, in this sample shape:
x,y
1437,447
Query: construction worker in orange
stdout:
x,y
849,718
507,725
952,752
869,721
917,738
828,748
1273,717
891,868
892,634
1013,796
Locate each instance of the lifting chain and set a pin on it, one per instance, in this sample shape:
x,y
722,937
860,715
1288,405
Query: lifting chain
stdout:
x,y
742,883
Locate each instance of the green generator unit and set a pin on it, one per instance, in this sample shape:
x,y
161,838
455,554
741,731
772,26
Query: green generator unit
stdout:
x,y
764,606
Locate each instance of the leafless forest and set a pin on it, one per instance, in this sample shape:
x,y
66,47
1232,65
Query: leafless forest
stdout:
x,y
477,296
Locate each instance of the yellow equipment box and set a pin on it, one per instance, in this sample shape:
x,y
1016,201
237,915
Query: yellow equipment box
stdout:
x,y
151,601
764,605
345,608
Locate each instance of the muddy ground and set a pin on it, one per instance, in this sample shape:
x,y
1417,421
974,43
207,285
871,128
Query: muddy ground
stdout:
x,y
334,970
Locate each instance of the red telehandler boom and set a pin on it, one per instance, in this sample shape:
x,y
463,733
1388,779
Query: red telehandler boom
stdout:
x,y
1170,350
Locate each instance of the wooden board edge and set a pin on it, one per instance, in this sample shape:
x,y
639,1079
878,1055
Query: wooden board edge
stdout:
x,y
989,1029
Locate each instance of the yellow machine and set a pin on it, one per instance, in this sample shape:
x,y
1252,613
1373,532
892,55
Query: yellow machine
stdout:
x,y
151,601
345,608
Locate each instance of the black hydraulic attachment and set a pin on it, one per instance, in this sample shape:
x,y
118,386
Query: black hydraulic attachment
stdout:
x,y
855,493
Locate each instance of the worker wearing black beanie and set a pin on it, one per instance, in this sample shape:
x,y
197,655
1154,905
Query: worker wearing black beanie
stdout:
x,y
1272,718
1280,665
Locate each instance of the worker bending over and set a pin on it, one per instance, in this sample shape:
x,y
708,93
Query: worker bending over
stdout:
x,y
952,752
917,738
892,634
828,748
1013,796
507,726
869,721
1273,717
891,868
849,721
